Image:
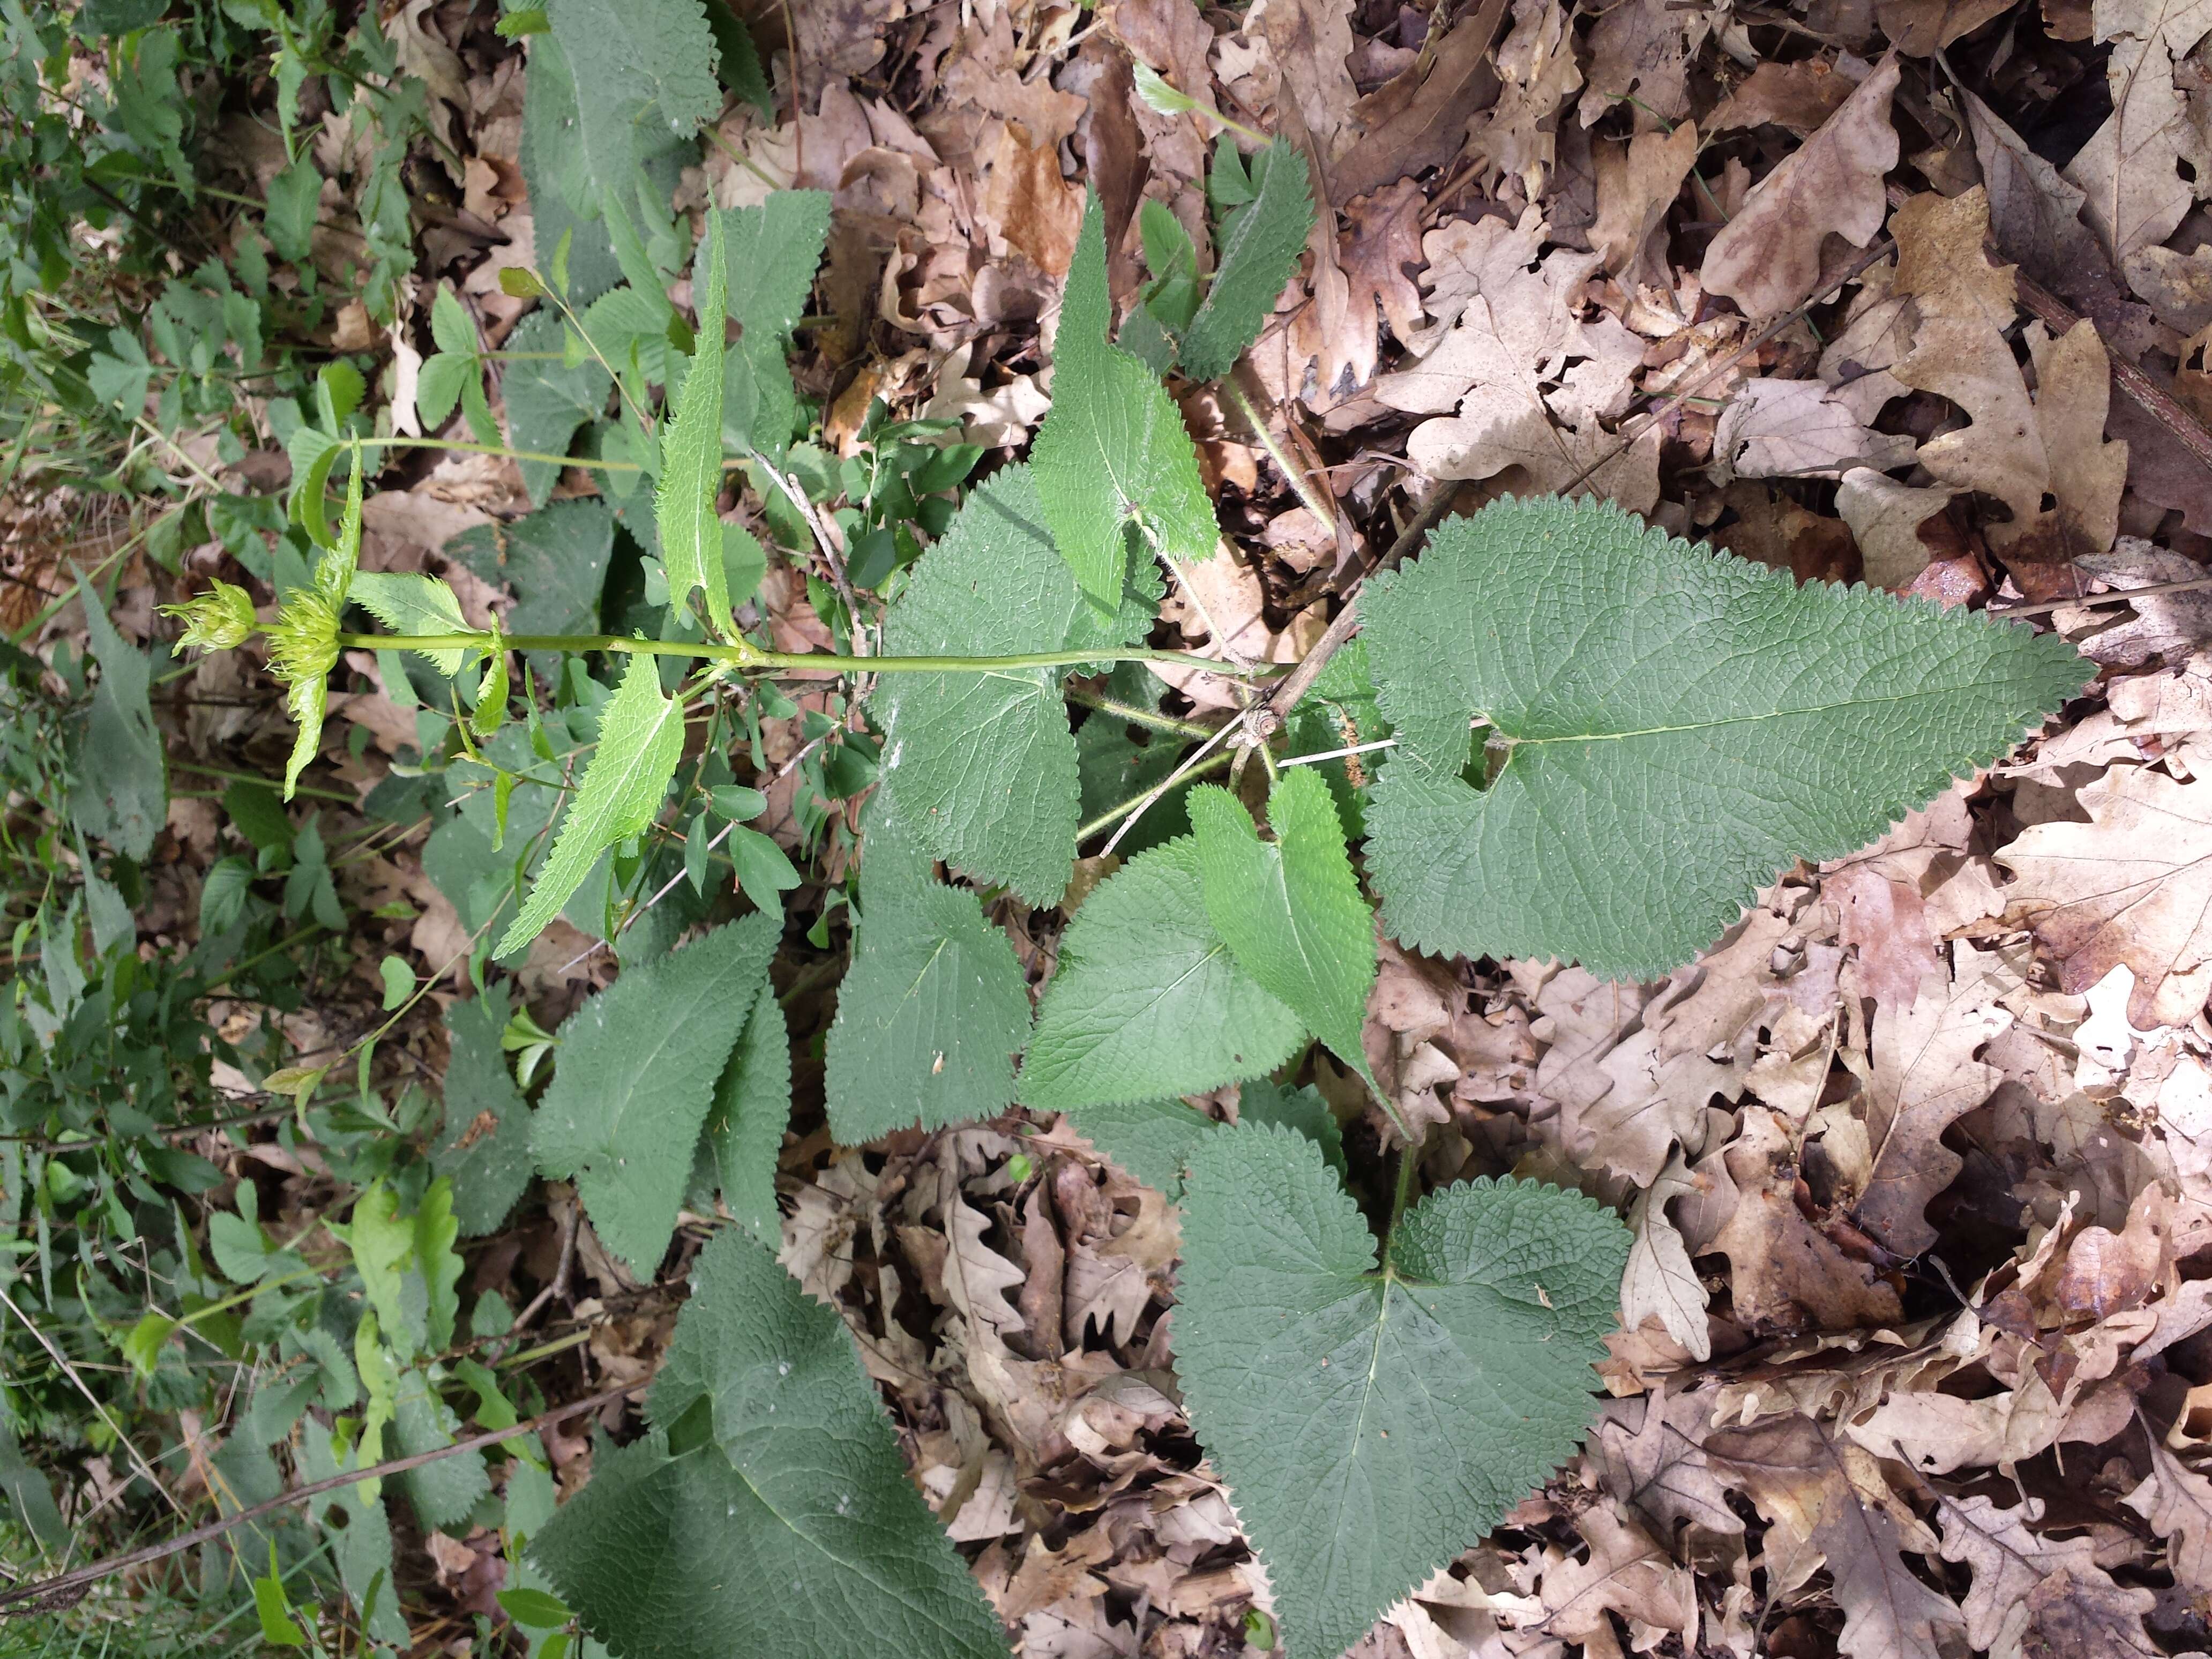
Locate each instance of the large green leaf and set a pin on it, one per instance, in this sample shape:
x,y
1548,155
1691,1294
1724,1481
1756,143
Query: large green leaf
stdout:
x,y
787,1524
1372,1425
934,1008
1148,1001
637,1068
546,399
774,250
555,559
692,457
120,792
1153,1139
1290,908
485,1149
563,201
640,739
751,1110
981,768
1678,726
643,73
1113,446
1260,247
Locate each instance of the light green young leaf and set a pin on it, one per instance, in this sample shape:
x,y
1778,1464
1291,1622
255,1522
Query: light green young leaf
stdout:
x,y
1678,724
1260,250
1289,909
450,327
120,790
414,603
794,1530
751,1110
635,1076
979,769
1374,1425
1113,446
1153,1139
547,400
303,645
640,740
932,1010
1148,1001
485,1150
691,458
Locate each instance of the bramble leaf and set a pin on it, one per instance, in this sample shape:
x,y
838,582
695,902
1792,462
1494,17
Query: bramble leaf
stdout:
x,y
934,1008
1679,726
1148,999
1260,247
979,769
1371,1425
640,739
1289,909
793,1529
691,458
1112,445
411,602
638,1065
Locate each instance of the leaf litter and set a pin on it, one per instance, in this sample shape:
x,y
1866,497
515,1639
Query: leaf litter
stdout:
x,y
1915,1352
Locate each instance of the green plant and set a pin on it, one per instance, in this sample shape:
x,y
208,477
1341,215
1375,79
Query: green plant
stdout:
x,y
1661,729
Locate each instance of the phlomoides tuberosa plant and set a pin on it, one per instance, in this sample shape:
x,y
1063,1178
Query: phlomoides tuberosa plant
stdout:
x,y
1570,736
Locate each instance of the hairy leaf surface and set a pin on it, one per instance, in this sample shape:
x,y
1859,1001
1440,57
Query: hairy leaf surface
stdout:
x,y
793,1529
1148,1001
980,769
1113,446
485,1150
1260,250
1153,1139
546,399
411,602
933,1008
751,1110
640,739
1290,908
638,1065
1372,1425
692,457
1680,726
644,72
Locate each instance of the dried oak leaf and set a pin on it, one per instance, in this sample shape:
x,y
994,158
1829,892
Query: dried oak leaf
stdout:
x,y
2132,885
2177,1501
1637,183
2038,1595
1919,27
1788,1276
1768,258
1643,48
2131,169
1799,96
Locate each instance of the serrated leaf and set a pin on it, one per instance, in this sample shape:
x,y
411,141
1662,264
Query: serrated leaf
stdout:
x,y
640,739
1147,1000
691,458
794,1530
1289,909
119,792
932,1010
450,327
1112,445
644,73
555,559
751,1110
774,251
411,602
980,769
1153,1139
1372,1425
636,1074
563,201
1682,725
444,1491
546,399
1260,251
485,1149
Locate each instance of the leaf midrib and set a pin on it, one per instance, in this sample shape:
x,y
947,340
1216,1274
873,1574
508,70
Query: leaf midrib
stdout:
x,y
1742,719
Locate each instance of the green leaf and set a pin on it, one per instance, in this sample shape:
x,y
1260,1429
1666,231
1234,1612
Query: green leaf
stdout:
x,y
485,1149
546,399
637,1068
1113,446
119,793
312,452
774,251
411,602
1259,248
751,1110
450,327
1681,726
294,196
1373,1425
534,1609
794,1530
640,740
691,458
554,559
444,1490
643,74
932,1010
981,768
563,201
1147,1000
438,387
399,980
1289,909
1153,1139
314,637
741,64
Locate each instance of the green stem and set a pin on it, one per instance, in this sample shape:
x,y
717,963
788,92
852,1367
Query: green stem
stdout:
x,y
1112,815
1409,1165
501,451
1137,716
751,659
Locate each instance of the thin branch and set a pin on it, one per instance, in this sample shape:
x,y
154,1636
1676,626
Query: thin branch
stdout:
x,y
748,658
